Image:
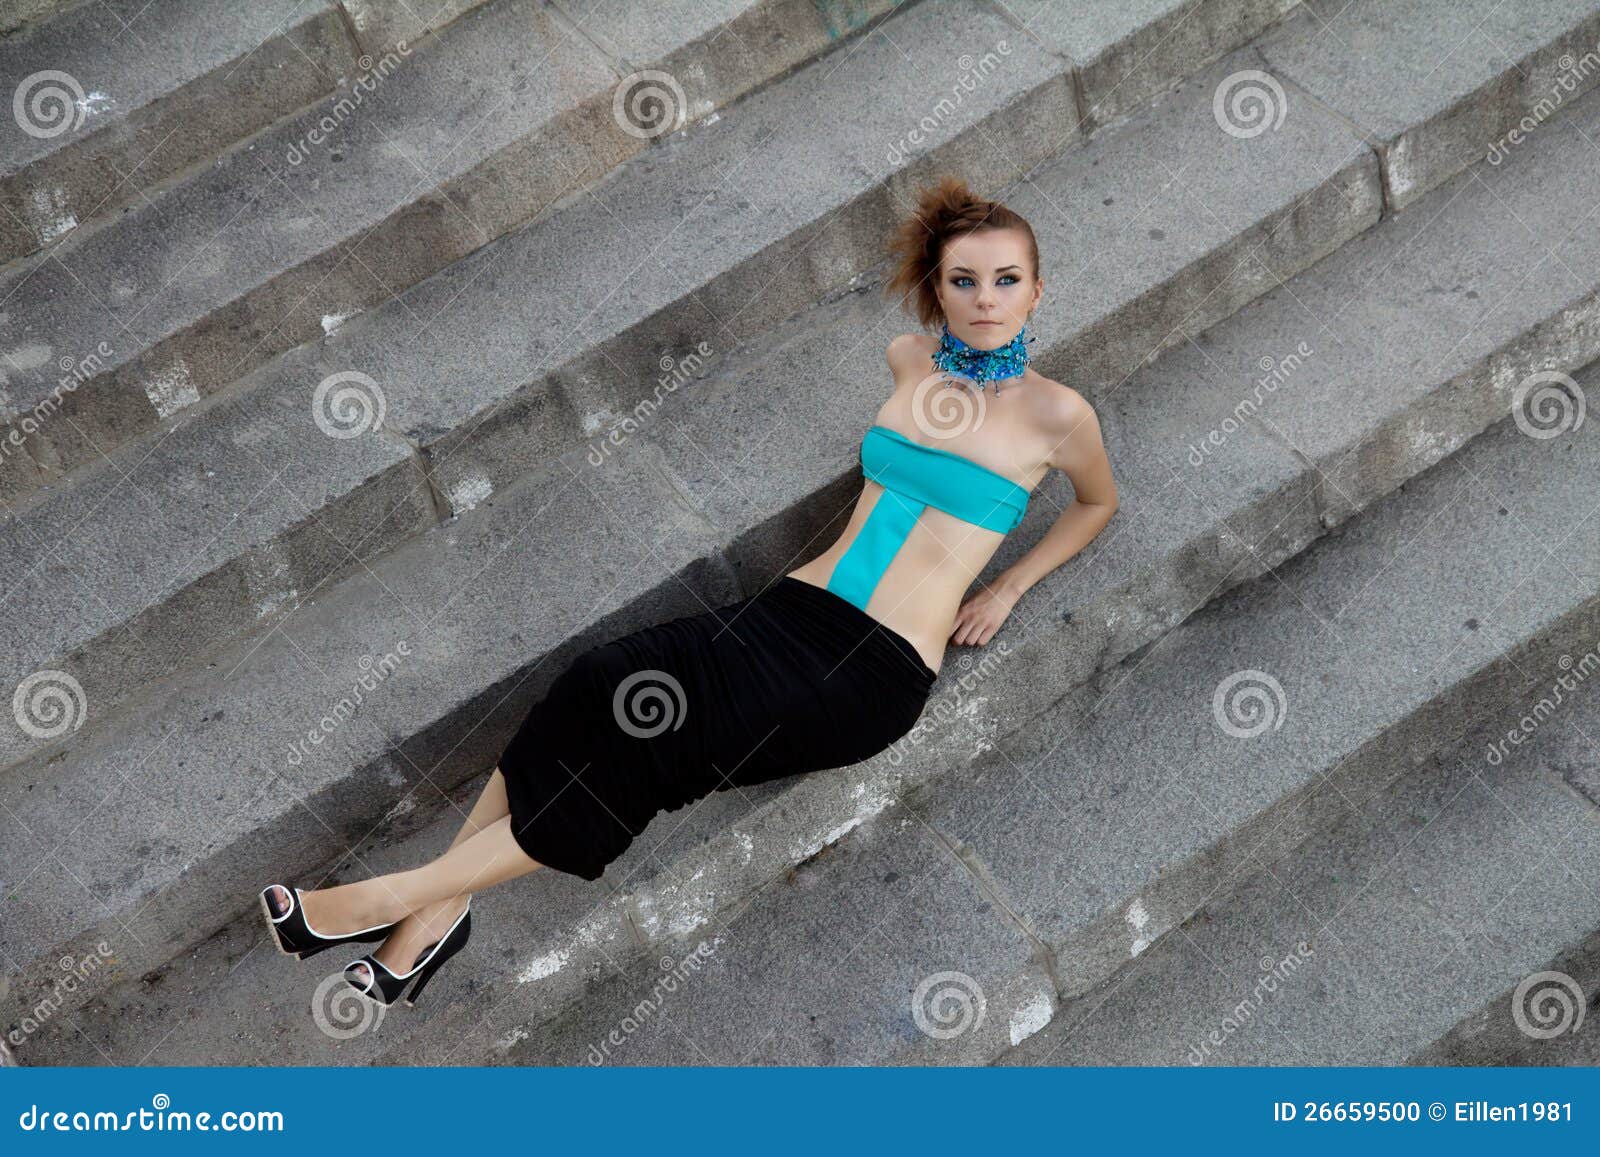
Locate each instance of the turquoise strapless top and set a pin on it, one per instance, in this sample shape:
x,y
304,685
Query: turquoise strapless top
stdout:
x,y
913,477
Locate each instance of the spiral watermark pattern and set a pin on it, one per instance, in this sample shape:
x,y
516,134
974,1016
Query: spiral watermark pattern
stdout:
x,y
1248,103
1547,404
49,103
656,706
1553,1000
341,1012
649,103
946,405
947,1004
49,703
347,404
1248,703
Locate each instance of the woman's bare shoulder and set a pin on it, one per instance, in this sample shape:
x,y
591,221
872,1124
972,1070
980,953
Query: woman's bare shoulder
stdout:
x,y
1057,402
1069,422
906,349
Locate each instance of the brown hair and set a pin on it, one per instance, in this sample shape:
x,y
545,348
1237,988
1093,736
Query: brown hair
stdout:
x,y
948,209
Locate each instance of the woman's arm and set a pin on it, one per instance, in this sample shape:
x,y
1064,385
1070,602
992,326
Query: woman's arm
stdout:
x,y
1080,454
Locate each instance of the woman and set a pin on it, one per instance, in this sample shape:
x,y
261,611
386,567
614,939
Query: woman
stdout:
x,y
824,668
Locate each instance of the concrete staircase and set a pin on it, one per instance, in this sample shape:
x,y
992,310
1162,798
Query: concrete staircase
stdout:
x,y
574,446
1435,882
423,157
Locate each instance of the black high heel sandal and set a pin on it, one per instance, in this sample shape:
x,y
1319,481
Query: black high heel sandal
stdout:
x,y
384,986
297,938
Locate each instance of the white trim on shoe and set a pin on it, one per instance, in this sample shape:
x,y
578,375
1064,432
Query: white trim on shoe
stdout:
x,y
423,963
266,910
294,896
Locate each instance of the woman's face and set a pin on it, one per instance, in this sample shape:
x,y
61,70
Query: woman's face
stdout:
x,y
984,287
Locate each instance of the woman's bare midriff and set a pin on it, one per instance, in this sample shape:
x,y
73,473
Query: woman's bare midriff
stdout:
x,y
921,590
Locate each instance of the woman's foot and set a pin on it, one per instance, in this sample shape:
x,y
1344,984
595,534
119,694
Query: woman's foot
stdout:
x,y
413,936
334,911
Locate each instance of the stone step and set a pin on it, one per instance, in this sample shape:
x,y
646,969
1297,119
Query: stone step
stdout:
x,y
286,510
1549,1032
420,159
1125,53
1483,75
1023,883
286,750
1402,930
22,14
1403,379
380,25
119,96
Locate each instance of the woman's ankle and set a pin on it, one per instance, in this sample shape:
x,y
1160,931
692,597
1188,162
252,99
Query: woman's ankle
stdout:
x,y
347,908
430,912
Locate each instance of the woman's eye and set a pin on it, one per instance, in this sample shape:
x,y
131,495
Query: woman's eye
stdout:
x,y
1010,277
963,282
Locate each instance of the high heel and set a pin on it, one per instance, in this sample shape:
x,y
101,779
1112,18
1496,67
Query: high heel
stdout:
x,y
297,938
384,986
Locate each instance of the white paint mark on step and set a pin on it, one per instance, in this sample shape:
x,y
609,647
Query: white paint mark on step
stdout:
x,y
467,493
1030,1017
94,102
273,603
1402,171
547,965
404,806
1138,920
49,215
511,1038
172,391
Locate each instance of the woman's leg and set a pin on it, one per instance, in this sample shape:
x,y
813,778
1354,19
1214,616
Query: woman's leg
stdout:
x,y
427,926
477,862
483,853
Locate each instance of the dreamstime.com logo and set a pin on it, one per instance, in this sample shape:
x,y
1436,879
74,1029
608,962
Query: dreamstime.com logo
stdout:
x,y
947,1004
1248,703
675,372
971,71
1248,103
342,109
649,103
647,703
1573,673
947,404
340,1011
49,703
1547,1004
374,672
72,973
1572,80
959,701
347,404
674,974
1547,404
75,371
156,1119
1274,973
51,102
1275,374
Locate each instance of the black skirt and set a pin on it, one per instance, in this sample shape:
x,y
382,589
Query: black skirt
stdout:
x,y
790,680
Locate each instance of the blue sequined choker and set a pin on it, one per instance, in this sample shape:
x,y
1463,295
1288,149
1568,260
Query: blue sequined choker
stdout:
x,y
977,366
